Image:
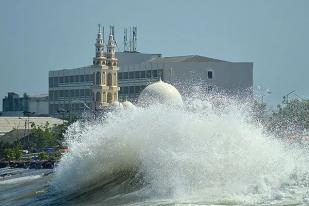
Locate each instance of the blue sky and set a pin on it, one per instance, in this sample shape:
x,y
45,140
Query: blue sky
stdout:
x,y
38,35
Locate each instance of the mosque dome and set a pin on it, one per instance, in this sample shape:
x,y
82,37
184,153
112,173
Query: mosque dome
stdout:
x,y
127,105
160,92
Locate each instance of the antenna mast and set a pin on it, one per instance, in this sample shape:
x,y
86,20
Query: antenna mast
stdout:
x,y
125,40
134,38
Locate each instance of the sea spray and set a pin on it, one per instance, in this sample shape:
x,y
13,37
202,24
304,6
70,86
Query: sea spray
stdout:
x,y
208,150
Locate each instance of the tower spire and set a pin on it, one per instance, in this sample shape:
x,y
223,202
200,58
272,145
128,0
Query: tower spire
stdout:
x,y
111,44
99,58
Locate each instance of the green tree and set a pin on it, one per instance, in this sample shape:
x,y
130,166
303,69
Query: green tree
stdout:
x,y
43,136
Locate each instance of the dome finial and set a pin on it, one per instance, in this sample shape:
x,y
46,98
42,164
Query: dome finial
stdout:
x,y
99,25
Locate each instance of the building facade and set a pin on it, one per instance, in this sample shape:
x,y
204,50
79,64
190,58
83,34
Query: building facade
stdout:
x,y
186,73
91,87
15,105
97,85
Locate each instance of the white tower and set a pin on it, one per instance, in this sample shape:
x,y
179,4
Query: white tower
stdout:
x,y
99,58
112,73
105,86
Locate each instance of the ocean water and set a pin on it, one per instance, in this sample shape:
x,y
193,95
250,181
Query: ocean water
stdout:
x,y
204,153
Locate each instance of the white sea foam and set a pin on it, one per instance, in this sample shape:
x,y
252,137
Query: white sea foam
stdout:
x,y
201,152
19,179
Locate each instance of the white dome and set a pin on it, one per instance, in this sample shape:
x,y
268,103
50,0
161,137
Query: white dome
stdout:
x,y
127,105
160,92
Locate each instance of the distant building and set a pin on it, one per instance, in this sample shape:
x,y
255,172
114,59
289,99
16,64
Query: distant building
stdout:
x,y
96,86
14,105
185,72
91,87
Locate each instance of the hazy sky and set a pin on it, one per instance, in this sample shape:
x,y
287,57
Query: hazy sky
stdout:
x,y
38,36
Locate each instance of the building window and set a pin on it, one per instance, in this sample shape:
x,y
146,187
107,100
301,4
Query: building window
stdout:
x,y
98,97
50,95
66,93
209,74
109,79
137,89
125,75
61,80
61,93
66,79
82,78
91,77
71,93
143,74
131,90
155,73
148,74
87,92
120,76
98,78
109,97
137,74
55,81
51,83
125,90
76,93
71,79
131,75
67,107
56,95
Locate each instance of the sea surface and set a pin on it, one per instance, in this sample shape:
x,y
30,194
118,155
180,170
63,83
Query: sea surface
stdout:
x,y
199,154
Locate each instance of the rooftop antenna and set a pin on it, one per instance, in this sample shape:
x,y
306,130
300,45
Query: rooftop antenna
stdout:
x,y
125,40
103,34
130,42
134,38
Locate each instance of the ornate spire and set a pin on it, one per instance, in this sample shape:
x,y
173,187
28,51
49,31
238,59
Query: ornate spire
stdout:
x,y
111,45
99,58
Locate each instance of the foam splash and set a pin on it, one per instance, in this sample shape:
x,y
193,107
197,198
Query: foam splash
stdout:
x,y
198,152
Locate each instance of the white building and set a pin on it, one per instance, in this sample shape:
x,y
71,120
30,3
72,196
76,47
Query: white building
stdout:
x,y
96,86
185,72
90,87
34,105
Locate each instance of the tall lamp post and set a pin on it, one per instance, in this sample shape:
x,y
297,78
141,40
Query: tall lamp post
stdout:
x,y
27,123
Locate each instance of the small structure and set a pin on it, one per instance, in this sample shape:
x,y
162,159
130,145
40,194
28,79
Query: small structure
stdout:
x,y
14,105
